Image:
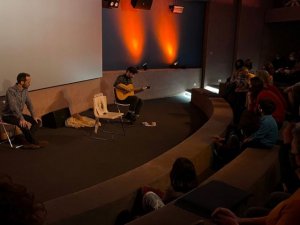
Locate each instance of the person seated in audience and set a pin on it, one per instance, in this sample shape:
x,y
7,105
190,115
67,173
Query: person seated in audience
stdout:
x,y
268,66
267,80
293,93
289,157
238,65
286,212
226,148
183,178
17,205
289,72
258,92
267,134
249,65
240,92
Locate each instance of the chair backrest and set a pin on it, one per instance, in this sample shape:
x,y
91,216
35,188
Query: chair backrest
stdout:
x,y
100,104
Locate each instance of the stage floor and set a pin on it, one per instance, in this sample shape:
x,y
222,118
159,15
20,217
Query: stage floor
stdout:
x,y
73,160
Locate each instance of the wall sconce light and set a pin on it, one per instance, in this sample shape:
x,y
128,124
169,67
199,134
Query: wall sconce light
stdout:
x,y
176,65
176,9
110,3
145,66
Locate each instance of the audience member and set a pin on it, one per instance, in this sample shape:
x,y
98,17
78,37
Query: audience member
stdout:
x,y
227,148
293,93
270,69
285,213
183,178
289,158
17,205
258,92
267,134
267,80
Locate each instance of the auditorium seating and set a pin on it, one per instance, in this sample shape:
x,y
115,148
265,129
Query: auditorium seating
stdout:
x,y
255,171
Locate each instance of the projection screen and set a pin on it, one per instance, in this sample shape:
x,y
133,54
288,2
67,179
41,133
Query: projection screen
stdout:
x,y
56,41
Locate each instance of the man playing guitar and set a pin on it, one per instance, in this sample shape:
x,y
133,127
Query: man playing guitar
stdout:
x,y
125,93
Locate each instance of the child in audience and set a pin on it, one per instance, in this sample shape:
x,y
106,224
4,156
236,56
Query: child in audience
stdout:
x,y
183,178
267,134
259,92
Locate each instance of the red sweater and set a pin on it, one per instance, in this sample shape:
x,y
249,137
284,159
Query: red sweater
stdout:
x,y
277,92
279,112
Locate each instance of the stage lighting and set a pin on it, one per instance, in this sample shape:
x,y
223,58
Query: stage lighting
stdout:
x,y
110,3
176,65
176,8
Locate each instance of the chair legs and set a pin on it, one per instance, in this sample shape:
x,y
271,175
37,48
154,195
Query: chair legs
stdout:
x,y
8,137
112,133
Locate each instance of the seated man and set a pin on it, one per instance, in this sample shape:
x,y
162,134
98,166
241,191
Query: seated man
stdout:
x,y
15,100
125,93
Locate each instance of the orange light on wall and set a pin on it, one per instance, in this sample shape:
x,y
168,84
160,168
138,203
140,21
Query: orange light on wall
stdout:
x,y
131,30
166,31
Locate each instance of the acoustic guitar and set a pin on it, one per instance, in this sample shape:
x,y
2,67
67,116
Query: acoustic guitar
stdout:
x,y
128,90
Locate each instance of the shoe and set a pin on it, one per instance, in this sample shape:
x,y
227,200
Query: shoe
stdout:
x,y
130,117
31,146
127,116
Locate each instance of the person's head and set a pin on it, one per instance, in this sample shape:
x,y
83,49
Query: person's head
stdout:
x,y
248,64
24,80
264,76
17,205
268,66
131,71
295,147
239,63
256,85
266,106
244,72
183,175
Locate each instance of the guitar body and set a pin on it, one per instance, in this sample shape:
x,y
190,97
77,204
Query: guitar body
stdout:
x,y
122,94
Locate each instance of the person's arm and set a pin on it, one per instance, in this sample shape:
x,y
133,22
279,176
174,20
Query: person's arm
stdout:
x,y
261,132
123,87
252,221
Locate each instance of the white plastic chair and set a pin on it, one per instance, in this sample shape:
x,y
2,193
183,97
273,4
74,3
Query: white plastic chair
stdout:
x,y
101,112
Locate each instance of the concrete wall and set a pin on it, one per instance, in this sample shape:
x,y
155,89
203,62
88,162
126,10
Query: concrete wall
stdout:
x,y
234,29
79,96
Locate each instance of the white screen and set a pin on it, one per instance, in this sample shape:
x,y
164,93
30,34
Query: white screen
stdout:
x,y
56,41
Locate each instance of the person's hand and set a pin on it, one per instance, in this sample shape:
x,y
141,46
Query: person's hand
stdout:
x,y
24,123
217,139
224,216
248,139
287,135
288,89
38,121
